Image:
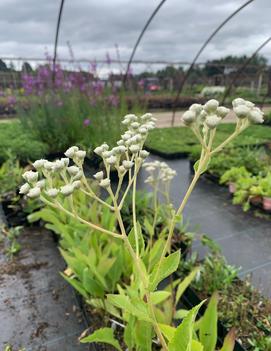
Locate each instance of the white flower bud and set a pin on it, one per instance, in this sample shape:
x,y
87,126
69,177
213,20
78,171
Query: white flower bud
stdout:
x,y
249,104
67,190
135,125
143,130
120,142
71,151
126,136
58,165
76,184
127,164
256,116
33,193
212,121
98,150
146,117
24,189
65,160
107,154
31,176
144,153
53,192
105,147
78,176
241,111
134,148
80,154
211,105
73,170
111,160
99,175
41,184
238,101
39,163
189,117
48,165
197,108
105,183
222,111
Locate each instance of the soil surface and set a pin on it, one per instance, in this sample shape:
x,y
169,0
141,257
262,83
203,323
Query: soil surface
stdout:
x,y
38,309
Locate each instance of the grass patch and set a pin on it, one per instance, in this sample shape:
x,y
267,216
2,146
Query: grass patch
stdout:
x,y
181,140
16,141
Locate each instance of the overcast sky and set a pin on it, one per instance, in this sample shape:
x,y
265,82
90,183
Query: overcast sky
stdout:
x,y
27,28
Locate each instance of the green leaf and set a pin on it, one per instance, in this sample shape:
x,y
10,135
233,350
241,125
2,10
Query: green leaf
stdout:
x,y
229,341
132,238
208,325
164,268
129,332
77,286
103,335
93,286
182,340
136,308
156,252
181,314
167,330
148,227
159,296
184,284
196,346
143,336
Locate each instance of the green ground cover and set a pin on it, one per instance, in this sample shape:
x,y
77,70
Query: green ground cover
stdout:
x,y
182,140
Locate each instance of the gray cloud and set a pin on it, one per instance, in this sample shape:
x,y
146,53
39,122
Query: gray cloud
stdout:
x,y
93,28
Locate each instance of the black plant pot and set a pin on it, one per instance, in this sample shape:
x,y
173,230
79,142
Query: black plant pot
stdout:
x,y
191,299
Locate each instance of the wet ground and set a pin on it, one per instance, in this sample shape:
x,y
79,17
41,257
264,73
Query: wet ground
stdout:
x,y
38,310
245,239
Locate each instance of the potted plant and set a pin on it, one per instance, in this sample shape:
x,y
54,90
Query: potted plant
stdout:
x,y
232,176
265,191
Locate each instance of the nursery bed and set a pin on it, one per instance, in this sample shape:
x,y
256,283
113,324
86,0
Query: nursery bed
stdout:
x,y
38,308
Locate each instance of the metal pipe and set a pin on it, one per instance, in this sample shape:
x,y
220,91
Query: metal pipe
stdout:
x,y
199,53
242,68
140,37
56,37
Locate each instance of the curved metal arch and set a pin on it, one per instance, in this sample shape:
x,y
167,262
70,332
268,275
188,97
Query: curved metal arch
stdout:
x,y
56,36
199,53
242,68
156,10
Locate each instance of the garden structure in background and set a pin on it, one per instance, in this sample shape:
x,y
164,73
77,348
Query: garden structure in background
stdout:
x,y
145,254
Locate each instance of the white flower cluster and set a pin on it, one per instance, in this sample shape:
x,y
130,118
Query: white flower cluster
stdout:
x,y
70,174
129,147
211,114
158,171
246,109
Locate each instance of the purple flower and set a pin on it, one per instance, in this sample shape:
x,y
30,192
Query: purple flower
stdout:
x,y
86,122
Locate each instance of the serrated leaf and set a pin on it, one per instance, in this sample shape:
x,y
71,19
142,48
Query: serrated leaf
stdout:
x,y
182,340
103,335
164,268
184,284
208,325
229,341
